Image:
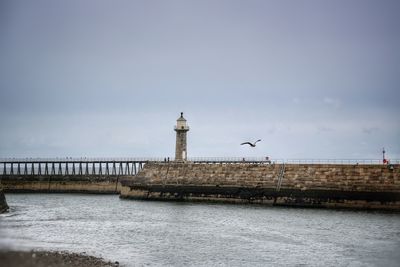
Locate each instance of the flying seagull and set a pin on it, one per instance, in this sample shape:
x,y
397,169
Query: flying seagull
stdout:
x,y
251,144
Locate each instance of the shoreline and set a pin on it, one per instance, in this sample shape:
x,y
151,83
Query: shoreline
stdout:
x,y
40,258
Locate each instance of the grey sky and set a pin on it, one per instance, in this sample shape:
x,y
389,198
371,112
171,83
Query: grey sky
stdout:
x,y
313,79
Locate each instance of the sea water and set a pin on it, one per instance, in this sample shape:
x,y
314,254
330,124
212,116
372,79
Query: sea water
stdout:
x,y
154,233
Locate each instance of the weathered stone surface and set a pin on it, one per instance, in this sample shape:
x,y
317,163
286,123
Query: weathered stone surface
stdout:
x,y
348,186
3,202
62,184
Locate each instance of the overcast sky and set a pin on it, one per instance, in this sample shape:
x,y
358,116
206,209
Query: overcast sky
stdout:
x,y
312,79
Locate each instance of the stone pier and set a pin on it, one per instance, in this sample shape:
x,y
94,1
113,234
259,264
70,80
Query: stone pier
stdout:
x,y
62,184
306,185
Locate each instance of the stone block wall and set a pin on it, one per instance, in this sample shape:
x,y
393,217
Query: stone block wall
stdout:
x,y
371,178
354,186
62,184
262,175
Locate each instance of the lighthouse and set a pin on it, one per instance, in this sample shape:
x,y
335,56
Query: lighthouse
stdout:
x,y
181,129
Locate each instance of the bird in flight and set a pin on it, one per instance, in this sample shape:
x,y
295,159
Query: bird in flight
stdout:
x,y
251,144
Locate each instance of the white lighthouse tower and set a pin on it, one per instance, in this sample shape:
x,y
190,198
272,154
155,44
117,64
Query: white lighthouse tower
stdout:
x,y
181,129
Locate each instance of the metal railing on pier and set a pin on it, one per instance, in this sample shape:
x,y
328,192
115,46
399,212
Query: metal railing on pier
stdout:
x,y
338,161
228,159
83,159
288,161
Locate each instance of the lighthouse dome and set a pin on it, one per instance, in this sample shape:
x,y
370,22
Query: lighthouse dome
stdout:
x,y
181,123
181,118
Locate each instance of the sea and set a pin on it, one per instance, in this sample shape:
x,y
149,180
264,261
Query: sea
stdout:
x,y
156,233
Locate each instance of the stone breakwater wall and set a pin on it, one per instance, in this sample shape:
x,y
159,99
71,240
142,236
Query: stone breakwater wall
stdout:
x,y
3,202
306,185
62,184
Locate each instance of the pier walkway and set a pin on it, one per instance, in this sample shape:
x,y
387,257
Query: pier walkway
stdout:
x,y
131,166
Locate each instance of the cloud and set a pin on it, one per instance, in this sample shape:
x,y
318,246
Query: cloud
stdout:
x,y
296,100
370,130
325,129
334,102
111,81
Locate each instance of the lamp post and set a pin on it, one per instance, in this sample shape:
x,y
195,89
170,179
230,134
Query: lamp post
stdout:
x,y
383,156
